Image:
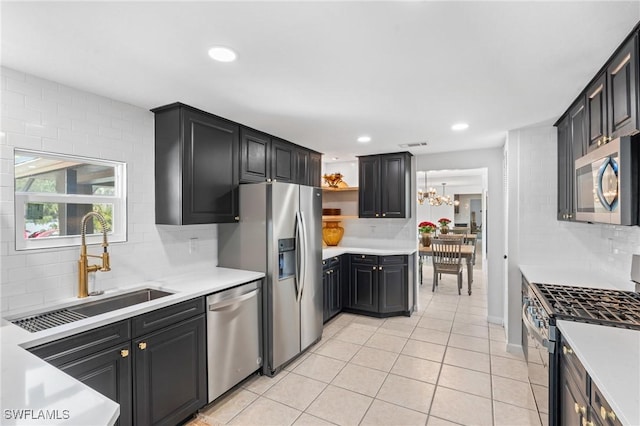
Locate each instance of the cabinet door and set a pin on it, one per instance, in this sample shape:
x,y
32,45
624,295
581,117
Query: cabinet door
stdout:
x,y
597,113
622,94
170,373
563,169
255,156
108,372
315,169
282,161
326,292
210,177
301,163
335,291
573,404
369,190
578,128
364,287
394,180
392,286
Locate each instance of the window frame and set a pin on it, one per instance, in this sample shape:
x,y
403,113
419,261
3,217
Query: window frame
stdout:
x,y
118,233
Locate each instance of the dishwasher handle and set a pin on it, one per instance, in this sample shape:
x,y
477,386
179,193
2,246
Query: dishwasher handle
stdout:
x,y
233,301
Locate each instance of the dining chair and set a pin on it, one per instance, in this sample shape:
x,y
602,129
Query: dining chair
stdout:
x,y
452,236
458,231
447,259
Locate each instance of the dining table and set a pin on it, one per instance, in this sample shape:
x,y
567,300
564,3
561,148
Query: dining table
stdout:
x,y
467,252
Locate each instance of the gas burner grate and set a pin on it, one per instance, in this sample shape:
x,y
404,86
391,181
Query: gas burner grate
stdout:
x,y
607,307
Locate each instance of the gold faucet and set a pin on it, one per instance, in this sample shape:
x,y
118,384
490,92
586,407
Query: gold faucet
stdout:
x,y
83,264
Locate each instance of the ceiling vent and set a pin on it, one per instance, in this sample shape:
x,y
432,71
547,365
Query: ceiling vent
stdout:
x,y
412,145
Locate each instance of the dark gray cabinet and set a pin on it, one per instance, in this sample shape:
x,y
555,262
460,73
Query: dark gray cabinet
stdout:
x,y
597,112
315,169
196,166
580,400
332,287
283,166
170,373
153,365
564,170
255,156
379,285
384,185
622,84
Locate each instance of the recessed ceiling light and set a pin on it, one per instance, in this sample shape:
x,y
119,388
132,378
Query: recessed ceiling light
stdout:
x,y
364,139
459,126
222,54
335,158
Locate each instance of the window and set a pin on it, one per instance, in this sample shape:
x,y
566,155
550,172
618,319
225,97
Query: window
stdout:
x,y
53,192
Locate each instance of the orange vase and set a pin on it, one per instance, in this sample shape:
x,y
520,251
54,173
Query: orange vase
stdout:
x,y
332,233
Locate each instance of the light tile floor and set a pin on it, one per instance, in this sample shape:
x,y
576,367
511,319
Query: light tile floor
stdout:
x,y
443,365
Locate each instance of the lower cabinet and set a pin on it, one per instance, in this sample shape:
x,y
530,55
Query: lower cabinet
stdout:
x,y
379,285
153,365
332,282
580,400
170,373
108,372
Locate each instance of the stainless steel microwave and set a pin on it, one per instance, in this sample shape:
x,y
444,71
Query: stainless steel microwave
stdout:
x,y
607,183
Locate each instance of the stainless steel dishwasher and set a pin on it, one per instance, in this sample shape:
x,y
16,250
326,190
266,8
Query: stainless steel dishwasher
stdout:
x,y
234,336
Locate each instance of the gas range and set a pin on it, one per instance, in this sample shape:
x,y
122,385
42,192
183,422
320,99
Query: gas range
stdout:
x,y
607,307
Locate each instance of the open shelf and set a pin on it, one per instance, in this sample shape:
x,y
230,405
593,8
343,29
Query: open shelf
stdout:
x,y
341,217
347,189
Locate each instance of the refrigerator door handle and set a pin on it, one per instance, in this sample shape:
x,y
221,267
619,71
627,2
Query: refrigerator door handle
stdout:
x,y
303,253
299,243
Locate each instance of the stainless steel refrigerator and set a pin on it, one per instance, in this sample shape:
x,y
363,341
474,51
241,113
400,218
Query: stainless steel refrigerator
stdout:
x,y
280,234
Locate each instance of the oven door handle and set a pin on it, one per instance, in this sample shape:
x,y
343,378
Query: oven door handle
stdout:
x,y
532,329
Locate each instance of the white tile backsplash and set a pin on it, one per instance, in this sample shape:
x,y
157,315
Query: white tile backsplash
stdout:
x,y
44,115
545,240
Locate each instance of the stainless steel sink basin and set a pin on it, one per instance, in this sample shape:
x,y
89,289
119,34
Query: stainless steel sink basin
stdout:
x,y
109,304
62,316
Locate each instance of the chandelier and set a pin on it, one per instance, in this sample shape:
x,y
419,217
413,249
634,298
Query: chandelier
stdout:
x,y
432,196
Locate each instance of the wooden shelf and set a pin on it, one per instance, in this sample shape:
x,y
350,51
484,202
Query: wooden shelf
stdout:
x,y
341,217
347,189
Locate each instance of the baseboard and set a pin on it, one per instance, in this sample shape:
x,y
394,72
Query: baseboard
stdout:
x,y
495,320
512,348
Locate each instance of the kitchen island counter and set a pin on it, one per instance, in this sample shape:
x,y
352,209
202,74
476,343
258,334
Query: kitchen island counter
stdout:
x,y
32,388
611,356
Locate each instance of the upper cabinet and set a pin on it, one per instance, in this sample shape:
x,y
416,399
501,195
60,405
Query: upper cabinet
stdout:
x,y
200,160
612,97
255,156
622,82
264,158
385,183
196,166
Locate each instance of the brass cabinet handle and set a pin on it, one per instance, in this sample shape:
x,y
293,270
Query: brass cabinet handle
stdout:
x,y
377,215
269,180
363,256
384,214
566,350
586,423
124,353
374,268
569,216
604,414
237,218
578,409
142,345
379,268
335,258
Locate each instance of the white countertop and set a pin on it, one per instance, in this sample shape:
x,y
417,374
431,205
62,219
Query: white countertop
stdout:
x,y
611,356
337,251
573,277
37,388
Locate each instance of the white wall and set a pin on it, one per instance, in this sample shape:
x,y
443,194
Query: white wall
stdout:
x,y
39,114
537,238
492,160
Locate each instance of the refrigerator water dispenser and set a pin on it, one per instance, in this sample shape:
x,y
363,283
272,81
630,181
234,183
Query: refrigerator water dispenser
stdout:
x,y
286,258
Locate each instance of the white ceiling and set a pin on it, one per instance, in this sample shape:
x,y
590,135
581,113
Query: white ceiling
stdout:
x,y
323,73
457,177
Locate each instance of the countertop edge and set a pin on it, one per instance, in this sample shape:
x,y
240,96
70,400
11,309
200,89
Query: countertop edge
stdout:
x,y
328,252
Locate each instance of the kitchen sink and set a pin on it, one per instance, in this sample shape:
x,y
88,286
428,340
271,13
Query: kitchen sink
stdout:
x,y
62,316
98,307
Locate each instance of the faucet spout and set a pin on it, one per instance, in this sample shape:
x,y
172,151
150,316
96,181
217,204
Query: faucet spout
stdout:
x,y
83,263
